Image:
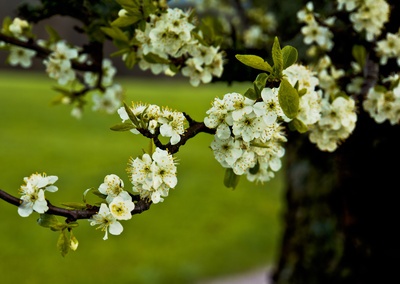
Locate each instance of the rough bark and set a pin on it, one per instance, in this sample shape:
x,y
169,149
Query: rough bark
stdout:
x,y
342,215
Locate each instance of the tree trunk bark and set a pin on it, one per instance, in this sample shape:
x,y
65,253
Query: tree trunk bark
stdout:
x,y
342,212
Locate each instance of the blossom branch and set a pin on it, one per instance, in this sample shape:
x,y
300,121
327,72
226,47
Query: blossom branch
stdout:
x,y
73,214
194,128
44,52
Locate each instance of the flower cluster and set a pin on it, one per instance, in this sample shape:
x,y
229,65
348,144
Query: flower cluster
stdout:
x,y
389,48
367,16
153,118
314,32
118,206
109,101
248,134
384,104
310,102
338,120
153,176
169,35
19,55
58,64
33,198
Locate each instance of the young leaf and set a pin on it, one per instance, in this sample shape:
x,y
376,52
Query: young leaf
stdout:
x,y
259,83
51,222
63,243
53,35
251,94
74,205
254,61
148,8
123,127
154,58
299,125
360,54
288,99
130,60
277,58
131,115
289,55
47,220
115,33
231,179
125,21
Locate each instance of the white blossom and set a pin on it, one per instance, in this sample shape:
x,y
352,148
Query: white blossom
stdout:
x,y
106,222
33,198
153,176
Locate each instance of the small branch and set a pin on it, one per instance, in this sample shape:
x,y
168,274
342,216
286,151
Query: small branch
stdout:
x,y
195,128
42,52
371,74
9,198
73,215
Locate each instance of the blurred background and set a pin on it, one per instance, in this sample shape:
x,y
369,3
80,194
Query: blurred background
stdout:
x,y
201,231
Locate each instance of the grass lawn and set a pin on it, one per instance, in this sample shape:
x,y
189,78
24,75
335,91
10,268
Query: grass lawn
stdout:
x,y
200,231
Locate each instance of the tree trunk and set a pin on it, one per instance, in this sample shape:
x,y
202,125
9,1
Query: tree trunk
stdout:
x,y
342,215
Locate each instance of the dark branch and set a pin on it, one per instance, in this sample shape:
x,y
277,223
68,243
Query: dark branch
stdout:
x,y
195,128
73,215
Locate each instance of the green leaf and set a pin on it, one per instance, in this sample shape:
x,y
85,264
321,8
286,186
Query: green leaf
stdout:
x,y
259,83
130,60
298,125
254,61
51,222
126,126
63,243
231,179
74,205
199,38
99,194
251,94
289,55
53,34
85,193
302,92
360,55
152,147
47,220
128,3
126,21
115,33
71,225
148,8
131,115
277,58
288,99
154,58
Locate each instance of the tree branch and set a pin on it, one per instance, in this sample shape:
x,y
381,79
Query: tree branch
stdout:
x,y
73,214
195,128
42,52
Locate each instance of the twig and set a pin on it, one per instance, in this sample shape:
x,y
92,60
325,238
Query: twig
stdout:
x,y
73,215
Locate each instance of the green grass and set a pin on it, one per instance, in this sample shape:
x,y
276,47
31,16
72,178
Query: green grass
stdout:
x,y
201,230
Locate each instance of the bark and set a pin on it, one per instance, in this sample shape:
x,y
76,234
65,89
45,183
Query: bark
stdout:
x,y
342,215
